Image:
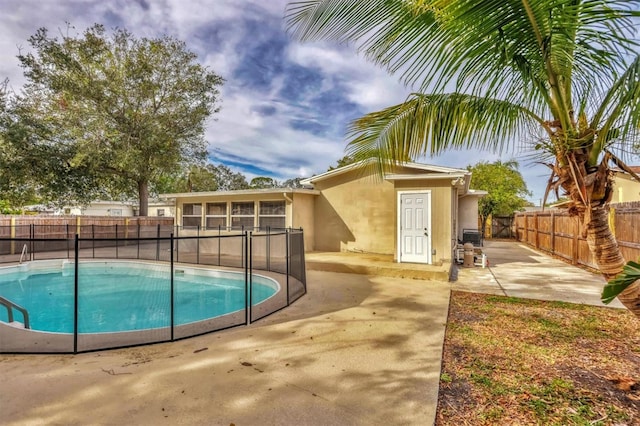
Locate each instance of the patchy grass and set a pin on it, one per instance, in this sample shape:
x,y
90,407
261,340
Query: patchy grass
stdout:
x,y
515,361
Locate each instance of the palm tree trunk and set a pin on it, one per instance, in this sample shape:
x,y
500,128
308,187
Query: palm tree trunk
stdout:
x,y
604,248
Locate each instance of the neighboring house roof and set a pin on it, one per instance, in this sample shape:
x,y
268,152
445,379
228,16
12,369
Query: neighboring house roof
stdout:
x,y
622,173
476,193
240,192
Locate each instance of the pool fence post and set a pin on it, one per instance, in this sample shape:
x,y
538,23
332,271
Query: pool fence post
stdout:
x,y
198,245
219,242
177,234
75,297
246,279
138,255
66,237
172,288
158,244
93,239
116,240
268,248
250,263
32,243
287,257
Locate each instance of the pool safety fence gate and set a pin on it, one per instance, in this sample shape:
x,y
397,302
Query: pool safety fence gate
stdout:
x,y
99,299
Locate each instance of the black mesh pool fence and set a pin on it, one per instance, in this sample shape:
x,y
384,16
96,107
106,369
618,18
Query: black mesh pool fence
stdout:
x,y
100,299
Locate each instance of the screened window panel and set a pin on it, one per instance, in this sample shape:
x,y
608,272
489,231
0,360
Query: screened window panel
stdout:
x,y
272,208
240,221
272,222
190,221
217,209
192,209
246,208
215,222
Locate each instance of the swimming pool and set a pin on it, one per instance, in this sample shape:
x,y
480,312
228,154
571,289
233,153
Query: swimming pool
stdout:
x,y
126,298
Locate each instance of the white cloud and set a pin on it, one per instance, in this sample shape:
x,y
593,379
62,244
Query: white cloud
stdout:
x,y
220,32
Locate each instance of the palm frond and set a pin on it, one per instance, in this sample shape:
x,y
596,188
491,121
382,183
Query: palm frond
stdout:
x,y
618,115
429,124
528,52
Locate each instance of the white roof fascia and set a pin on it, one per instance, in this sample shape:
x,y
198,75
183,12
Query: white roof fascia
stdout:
x,y
240,192
418,166
424,176
330,173
475,193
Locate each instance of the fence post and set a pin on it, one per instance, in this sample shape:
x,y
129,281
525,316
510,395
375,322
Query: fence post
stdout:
x,y
553,232
575,251
536,224
268,248
158,243
250,265
32,234
138,256
245,249
612,221
198,245
12,233
177,247
219,243
66,237
117,241
287,259
75,297
172,288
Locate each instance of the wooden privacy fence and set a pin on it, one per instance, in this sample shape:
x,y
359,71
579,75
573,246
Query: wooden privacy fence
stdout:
x,y
56,226
557,233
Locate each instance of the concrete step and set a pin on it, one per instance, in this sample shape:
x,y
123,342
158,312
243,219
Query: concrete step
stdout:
x,y
374,264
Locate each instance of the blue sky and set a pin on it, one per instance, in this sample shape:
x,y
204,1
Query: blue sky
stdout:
x,y
285,105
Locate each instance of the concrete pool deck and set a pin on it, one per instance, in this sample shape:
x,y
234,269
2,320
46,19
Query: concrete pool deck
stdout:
x,y
356,350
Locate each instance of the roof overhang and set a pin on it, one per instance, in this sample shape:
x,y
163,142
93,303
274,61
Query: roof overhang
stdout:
x,y
424,176
245,192
475,193
439,172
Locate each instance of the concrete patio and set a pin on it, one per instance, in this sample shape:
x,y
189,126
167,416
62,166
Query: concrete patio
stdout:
x,y
356,350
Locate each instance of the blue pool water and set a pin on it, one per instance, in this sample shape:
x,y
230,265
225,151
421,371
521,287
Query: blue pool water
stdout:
x,y
123,297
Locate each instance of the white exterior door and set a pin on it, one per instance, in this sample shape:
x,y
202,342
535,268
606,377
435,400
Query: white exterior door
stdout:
x,y
414,235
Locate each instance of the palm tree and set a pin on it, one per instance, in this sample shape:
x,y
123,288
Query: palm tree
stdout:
x,y
492,72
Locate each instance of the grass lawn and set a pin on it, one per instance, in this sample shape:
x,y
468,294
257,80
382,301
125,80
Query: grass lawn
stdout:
x,y
512,361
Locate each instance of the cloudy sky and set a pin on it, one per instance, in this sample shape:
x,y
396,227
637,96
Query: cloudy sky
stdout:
x,y
285,105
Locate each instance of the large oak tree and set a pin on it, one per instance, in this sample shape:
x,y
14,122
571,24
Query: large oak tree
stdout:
x,y
117,111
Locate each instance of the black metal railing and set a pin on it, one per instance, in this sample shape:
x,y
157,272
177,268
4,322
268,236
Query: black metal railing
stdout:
x,y
257,256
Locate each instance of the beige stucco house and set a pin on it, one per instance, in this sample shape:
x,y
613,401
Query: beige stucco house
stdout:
x,y
417,213
625,187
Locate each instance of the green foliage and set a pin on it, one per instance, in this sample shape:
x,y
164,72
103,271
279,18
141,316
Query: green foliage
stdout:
x,y
202,179
229,180
262,182
5,208
505,185
630,273
344,161
110,114
292,183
